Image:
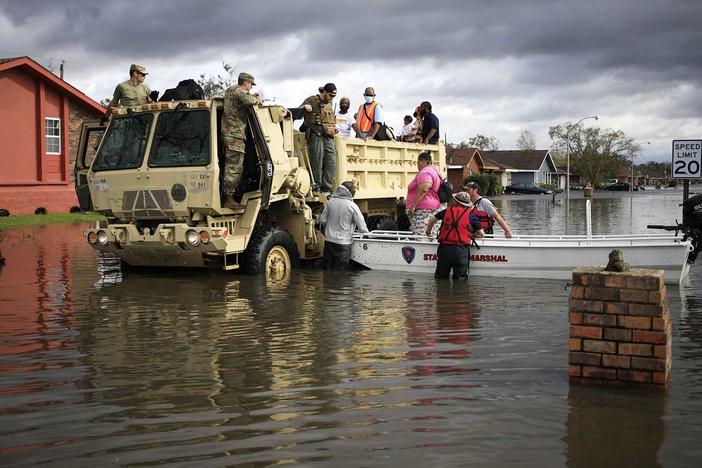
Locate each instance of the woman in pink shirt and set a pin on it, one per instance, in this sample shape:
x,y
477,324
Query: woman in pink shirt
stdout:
x,y
422,195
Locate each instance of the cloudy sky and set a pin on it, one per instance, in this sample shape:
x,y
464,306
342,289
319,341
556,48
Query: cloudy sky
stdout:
x,y
495,67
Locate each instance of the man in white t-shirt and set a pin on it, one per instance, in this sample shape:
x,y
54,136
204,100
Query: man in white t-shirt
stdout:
x,y
485,210
344,118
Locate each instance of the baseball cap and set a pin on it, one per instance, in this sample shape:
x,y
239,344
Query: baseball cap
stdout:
x,y
474,185
139,68
330,88
243,76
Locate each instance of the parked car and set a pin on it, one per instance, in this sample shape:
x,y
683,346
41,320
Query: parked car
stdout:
x,y
525,187
620,186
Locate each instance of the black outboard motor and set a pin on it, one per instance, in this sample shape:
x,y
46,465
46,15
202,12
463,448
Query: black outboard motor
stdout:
x,y
691,226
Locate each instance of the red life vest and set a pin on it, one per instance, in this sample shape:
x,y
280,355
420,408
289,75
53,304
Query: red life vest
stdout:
x,y
455,227
486,221
366,116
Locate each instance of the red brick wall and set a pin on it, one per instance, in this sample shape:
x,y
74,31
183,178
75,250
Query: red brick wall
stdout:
x,y
620,328
77,115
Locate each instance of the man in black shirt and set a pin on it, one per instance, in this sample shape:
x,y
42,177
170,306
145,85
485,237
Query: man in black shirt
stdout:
x,y
430,125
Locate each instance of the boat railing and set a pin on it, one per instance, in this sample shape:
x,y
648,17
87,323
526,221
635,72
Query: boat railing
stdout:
x,y
532,239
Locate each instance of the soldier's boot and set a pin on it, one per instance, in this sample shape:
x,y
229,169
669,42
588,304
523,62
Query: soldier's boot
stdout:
x,y
232,204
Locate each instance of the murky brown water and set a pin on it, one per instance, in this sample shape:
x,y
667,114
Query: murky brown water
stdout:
x,y
199,368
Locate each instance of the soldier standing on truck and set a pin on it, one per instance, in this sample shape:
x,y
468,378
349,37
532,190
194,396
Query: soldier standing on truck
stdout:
x,y
320,128
237,100
132,92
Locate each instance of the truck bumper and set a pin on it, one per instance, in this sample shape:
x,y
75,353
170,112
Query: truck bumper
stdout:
x,y
170,245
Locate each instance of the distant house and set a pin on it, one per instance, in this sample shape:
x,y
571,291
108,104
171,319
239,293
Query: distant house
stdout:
x,y
535,166
40,120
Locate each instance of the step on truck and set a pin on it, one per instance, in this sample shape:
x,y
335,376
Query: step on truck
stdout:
x,y
154,171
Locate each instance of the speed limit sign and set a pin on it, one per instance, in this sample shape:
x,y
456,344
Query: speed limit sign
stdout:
x,y
687,159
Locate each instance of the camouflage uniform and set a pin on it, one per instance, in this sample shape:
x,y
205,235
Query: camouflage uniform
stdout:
x,y
320,122
236,104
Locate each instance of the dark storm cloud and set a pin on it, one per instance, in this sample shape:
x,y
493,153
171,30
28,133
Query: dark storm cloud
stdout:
x,y
655,35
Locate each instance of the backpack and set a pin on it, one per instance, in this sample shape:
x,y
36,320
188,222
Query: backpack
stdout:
x,y
445,192
186,89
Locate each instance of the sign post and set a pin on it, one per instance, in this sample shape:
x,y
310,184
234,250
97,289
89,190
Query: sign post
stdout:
x,y
687,162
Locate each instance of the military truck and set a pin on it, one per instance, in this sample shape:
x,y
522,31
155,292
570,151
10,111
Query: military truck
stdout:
x,y
154,171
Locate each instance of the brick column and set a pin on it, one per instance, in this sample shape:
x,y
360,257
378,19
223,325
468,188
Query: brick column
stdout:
x,y
620,327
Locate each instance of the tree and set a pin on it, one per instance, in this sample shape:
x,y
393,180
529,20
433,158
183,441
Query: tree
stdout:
x,y
483,142
526,141
215,86
595,154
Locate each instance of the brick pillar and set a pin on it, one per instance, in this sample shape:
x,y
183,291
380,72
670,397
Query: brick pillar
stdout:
x,y
620,327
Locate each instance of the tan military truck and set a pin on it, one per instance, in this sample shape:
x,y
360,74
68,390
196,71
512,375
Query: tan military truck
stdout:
x,y
154,172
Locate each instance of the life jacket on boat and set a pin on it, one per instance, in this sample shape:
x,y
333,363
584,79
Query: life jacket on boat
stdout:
x,y
366,117
486,221
455,227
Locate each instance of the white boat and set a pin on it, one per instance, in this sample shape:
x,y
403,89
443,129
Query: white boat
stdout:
x,y
549,257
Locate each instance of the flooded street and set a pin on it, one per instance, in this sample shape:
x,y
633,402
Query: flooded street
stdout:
x,y
207,368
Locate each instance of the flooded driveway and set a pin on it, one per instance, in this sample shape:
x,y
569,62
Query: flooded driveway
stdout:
x,y
206,368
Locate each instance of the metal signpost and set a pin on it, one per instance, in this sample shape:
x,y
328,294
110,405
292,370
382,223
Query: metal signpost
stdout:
x,y
687,162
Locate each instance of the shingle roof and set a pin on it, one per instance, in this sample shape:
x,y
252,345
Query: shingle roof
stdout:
x,y
517,159
461,157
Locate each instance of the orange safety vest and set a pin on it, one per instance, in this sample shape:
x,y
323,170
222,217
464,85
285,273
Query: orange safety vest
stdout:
x,y
365,117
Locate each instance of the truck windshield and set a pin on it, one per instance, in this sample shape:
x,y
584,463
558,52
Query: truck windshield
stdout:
x,y
123,146
181,139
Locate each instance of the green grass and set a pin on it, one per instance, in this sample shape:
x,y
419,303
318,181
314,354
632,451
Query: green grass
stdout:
x,y
12,222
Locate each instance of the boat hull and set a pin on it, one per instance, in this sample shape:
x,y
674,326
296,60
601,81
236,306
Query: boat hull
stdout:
x,y
552,257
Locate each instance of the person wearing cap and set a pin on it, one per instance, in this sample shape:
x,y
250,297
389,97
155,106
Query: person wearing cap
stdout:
x,y
320,128
485,210
370,116
132,92
344,118
237,101
459,226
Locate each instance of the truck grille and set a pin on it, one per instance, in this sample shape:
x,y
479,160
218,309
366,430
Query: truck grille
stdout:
x,y
147,204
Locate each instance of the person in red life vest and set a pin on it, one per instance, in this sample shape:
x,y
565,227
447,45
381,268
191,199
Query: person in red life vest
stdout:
x,y
459,226
370,116
485,210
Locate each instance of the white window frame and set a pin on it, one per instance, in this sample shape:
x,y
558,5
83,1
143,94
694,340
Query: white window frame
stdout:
x,y
50,137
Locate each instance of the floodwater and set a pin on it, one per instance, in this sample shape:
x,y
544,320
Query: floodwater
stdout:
x,y
196,368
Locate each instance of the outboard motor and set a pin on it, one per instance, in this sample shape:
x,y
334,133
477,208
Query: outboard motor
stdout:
x,y
691,226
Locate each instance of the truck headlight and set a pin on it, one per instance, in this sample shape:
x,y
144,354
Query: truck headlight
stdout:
x,y
92,237
192,237
102,237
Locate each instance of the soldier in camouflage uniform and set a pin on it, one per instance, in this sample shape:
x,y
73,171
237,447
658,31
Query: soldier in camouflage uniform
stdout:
x,y
320,128
237,101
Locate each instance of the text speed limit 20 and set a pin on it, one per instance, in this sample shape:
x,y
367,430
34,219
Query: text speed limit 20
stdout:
x,y
687,159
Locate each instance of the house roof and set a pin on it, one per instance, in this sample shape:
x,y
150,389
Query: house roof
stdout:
x,y
518,159
30,65
463,157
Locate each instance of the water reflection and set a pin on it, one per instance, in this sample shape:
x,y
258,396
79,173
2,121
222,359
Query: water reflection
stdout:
x,y
103,366
614,427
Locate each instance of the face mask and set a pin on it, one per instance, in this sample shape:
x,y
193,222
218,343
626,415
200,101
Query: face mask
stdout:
x,y
344,108
368,99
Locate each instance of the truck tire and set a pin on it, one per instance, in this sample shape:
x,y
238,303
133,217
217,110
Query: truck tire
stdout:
x,y
381,223
271,250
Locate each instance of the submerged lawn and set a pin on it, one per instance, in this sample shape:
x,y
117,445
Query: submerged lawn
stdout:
x,y
11,222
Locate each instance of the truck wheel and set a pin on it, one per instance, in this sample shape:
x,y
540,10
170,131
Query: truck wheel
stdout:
x,y
271,251
381,223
